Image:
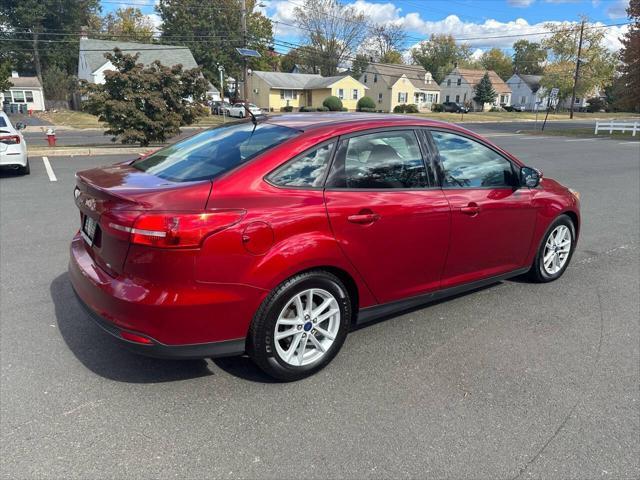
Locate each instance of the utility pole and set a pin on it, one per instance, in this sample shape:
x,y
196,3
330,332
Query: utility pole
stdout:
x,y
575,78
243,22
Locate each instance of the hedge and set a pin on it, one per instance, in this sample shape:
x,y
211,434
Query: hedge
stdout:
x,y
366,104
334,104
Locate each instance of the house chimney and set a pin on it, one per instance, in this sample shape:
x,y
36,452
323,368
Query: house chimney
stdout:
x,y
427,78
84,32
14,74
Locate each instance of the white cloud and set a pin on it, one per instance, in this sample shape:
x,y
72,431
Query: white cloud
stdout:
x,y
520,3
618,9
488,34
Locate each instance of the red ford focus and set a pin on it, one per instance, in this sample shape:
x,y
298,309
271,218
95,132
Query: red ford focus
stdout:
x,y
273,239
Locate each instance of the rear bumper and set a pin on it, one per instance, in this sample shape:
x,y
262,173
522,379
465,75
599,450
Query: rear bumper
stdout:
x,y
227,348
181,319
13,156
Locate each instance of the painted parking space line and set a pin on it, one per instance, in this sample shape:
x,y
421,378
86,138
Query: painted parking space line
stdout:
x,y
49,169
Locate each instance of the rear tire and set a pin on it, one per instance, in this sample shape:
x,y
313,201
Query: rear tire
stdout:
x,y
291,337
555,251
26,170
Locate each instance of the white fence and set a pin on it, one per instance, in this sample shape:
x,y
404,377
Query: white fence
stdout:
x,y
618,126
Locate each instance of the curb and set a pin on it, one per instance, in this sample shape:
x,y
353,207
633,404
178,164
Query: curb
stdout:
x,y
87,151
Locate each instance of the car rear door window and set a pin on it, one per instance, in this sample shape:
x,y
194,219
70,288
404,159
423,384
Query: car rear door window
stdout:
x,y
466,163
307,170
381,160
213,152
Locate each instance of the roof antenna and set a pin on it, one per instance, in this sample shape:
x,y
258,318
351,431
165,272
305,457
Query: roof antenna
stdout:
x,y
254,120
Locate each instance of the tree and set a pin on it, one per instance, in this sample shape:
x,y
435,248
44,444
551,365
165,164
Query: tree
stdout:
x,y
359,65
498,61
146,104
629,91
528,57
128,24
597,63
212,31
58,84
31,23
439,54
386,40
335,31
484,92
392,56
5,76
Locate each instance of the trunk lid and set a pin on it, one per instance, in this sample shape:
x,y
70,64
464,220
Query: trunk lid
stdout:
x,y
118,194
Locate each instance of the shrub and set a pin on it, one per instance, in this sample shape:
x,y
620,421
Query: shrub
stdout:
x,y
287,108
333,104
494,109
322,109
411,108
437,107
400,108
366,104
596,104
307,109
344,109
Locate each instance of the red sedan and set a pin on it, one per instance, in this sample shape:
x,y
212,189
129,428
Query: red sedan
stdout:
x,y
272,238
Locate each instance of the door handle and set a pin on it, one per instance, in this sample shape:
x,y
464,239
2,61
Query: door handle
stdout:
x,y
472,209
364,218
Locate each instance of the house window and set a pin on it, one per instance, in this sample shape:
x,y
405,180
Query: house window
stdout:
x,y
379,98
7,96
459,81
446,99
18,96
375,78
578,101
365,78
457,98
503,99
341,93
402,97
354,94
448,82
288,94
28,96
523,100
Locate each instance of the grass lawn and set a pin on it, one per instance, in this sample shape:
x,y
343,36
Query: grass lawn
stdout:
x,y
583,133
73,119
515,116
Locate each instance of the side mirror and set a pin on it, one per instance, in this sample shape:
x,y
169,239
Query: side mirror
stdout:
x,y
20,126
530,177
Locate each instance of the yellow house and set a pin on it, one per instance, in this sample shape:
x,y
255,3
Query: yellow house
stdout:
x,y
274,90
391,85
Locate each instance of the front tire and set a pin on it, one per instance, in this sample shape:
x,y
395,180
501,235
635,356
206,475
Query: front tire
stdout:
x,y
555,251
301,326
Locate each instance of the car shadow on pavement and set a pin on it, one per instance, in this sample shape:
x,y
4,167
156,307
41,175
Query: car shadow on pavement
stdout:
x,y
244,368
101,354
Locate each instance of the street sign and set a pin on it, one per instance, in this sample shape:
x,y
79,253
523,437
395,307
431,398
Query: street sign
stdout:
x,y
554,93
247,52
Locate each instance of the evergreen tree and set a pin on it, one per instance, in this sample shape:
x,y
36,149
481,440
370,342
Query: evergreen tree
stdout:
x,y
484,91
629,81
146,104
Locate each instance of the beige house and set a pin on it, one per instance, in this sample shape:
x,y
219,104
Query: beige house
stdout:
x,y
391,85
274,90
26,92
459,86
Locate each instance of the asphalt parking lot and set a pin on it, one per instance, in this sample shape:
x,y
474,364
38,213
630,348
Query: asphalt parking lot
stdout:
x,y
512,381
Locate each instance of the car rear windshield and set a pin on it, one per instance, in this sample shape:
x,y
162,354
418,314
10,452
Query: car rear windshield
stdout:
x,y
213,152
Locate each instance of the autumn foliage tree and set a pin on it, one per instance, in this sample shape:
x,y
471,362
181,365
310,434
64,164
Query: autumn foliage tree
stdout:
x,y
146,104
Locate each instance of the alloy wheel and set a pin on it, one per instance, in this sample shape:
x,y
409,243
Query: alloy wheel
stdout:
x,y
556,249
307,327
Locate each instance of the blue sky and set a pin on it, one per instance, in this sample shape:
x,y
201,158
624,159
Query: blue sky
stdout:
x,y
470,20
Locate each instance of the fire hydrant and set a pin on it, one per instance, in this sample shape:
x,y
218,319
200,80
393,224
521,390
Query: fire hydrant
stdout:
x,y
51,137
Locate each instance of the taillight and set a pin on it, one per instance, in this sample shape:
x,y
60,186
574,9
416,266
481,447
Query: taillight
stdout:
x,y
10,139
172,230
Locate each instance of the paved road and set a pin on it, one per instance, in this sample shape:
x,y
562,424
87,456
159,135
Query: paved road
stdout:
x,y
35,136
512,381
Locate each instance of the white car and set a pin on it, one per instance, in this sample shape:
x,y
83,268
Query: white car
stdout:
x,y
238,110
13,148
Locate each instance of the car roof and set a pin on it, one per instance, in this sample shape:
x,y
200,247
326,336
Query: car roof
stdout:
x,y
312,121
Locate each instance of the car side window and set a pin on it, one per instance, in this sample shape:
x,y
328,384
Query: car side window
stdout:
x,y
381,160
306,171
466,163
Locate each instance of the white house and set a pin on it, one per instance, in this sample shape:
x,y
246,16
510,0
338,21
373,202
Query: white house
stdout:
x,y
92,62
459,86
526,91
25,91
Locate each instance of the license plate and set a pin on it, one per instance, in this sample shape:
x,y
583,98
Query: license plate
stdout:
x,y
89,229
